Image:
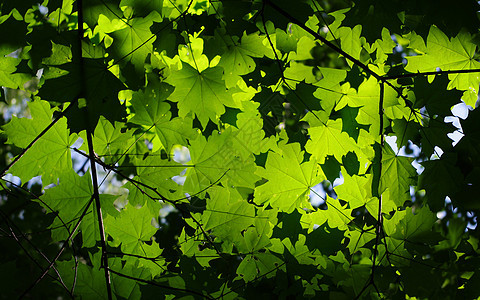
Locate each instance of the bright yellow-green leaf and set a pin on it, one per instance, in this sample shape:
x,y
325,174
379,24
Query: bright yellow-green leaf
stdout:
x,y
237,60
398,175
131,229
289,179
134,42
227,214
356,190
337,216
327,138
410,224
8,77
216,159
201,93
446,54
351,41
151,110
50,155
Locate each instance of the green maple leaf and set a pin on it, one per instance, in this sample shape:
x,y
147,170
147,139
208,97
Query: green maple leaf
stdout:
x,y
109,141
358,239
351,40
227,214
132,228
9,78
205,75
90,281
299,250
398,175
355,189
69,199
388,205
152,110
134,42
192,247
257,237
154,262
328,138
258,265
50,155
409,224
156,173
329,88
383,46
248,136
143,7
237,59
217,159
289,179
450,54
202,93
349,123
61,54
336,216
287,42
366,99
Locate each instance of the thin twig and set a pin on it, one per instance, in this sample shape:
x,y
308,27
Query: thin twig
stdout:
x,y
324,40
160,285
45,271
151,37
14,236
410,75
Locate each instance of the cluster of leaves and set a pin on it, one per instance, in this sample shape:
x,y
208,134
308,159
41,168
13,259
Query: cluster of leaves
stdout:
x,y
275,102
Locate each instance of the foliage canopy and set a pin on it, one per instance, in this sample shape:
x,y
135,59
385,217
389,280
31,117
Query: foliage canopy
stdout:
x,y
316,142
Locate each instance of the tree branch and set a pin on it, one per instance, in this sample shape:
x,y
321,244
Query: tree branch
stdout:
x,y
410,75
96,195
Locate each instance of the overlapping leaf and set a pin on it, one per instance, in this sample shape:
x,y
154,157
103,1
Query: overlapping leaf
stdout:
x,y
152,111
132,228
203,94
447,54
268,110
398,175
49,156
289,179
134,42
